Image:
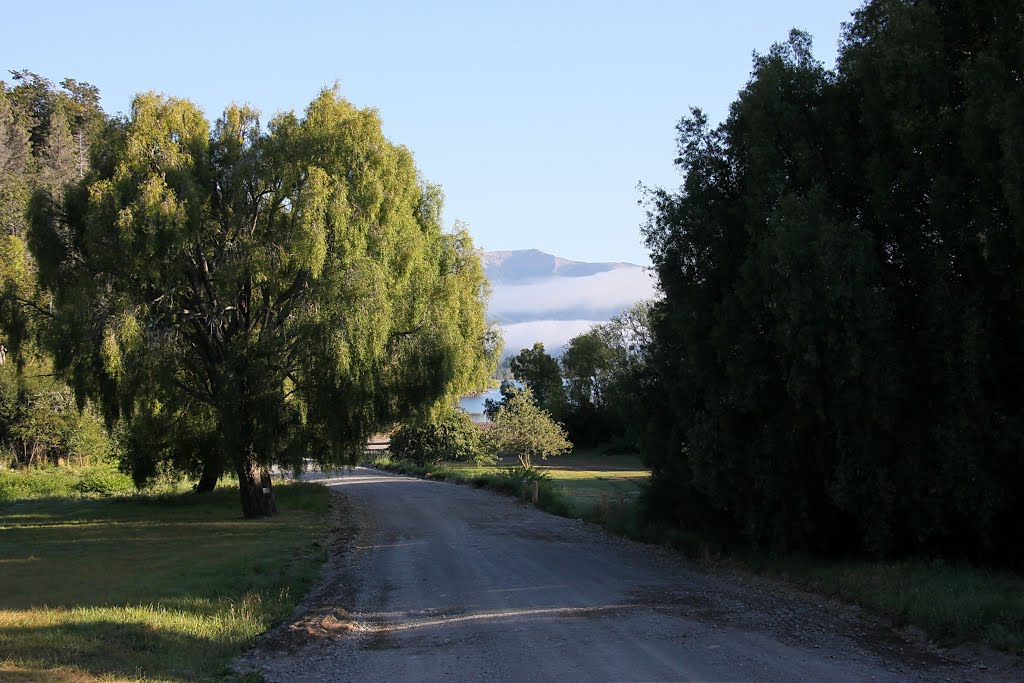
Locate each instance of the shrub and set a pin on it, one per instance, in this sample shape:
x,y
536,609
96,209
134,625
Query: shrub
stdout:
x,y
59,482
105,481
449,436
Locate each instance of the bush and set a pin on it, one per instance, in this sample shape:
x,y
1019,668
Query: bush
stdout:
x,y
105,481
59,482
449,436
520,473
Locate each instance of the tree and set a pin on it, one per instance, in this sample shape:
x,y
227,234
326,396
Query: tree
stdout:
x,y
15,166
838,340
527,430
39,420
290,291
539,371
604,370
508,388
59,163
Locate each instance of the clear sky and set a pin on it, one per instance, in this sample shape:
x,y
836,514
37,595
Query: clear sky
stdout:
x,y
539,119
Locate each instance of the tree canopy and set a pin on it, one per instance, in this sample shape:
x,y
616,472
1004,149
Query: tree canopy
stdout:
x,y
45,134
240,297
539,371
605,370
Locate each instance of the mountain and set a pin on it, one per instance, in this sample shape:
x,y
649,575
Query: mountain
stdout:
x,y
541,297
526,265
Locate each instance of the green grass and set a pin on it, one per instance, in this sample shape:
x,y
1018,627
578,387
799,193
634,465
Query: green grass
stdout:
x,y
63,482
149,587
587,484
952,604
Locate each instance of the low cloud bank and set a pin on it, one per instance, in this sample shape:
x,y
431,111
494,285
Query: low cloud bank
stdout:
x,y
554,334
571,299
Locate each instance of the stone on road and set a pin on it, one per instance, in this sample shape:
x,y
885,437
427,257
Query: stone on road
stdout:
x,y
431,581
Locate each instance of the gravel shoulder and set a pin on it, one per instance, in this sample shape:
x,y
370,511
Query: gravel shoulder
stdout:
x,y
429,580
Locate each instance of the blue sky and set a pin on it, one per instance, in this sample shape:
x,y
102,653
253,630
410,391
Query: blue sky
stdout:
x,y
539,119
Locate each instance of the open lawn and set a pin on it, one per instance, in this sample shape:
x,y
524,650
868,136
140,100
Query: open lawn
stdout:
x,y
168,587
590,479
585,478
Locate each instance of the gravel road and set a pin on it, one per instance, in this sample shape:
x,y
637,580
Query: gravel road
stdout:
x,y
430,581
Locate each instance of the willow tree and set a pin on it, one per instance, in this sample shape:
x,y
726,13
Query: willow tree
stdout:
x,y
240,297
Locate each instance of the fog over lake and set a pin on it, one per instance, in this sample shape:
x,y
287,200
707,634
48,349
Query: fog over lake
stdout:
x,y
540,297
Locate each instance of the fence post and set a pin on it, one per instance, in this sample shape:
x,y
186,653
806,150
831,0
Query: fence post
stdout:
x,y
536,491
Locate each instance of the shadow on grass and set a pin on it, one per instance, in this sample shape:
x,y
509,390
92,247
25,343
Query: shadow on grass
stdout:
x,y
172,586
106,647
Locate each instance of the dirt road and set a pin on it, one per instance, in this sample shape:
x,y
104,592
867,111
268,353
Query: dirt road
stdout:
x,y
436,581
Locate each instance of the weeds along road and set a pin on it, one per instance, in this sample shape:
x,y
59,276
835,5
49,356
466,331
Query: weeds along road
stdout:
x,y
431,580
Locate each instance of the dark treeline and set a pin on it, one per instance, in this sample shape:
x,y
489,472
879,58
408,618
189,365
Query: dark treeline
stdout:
x,y
838,353
46,133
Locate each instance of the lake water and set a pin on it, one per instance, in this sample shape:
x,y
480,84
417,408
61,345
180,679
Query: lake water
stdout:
x,y
474,405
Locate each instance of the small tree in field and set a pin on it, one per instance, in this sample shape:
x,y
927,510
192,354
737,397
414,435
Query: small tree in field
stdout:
x,y
523,428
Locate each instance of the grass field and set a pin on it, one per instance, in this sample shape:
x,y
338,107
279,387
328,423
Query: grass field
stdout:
x,y
583,478
168,587
589,479
952,603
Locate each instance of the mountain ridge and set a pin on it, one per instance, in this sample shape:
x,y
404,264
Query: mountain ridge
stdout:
x,y
522,266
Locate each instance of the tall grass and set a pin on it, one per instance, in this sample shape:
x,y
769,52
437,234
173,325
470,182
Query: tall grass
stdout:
x,y
63,482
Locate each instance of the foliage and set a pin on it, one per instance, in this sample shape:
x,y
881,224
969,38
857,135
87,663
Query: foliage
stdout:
x,y
521,473
606,371
524,429
45,133
40,423
62,482
508,388
537,370
451,435
104,481
838,346
266,295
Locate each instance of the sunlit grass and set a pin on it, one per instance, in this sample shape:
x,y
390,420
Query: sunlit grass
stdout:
x,y
168,587
598,487
584,478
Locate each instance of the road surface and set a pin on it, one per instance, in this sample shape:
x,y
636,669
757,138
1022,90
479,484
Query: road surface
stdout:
x,y
431,581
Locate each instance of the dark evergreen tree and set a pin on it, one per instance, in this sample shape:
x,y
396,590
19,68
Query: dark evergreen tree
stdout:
x,y
840,334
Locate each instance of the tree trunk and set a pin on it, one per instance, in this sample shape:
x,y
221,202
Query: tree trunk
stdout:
x,y
212,469
256,489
